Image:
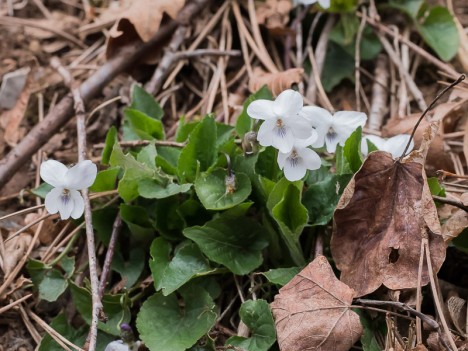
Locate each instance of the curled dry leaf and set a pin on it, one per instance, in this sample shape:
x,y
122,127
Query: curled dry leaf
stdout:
x,y
454,225
140,21
380,221
312,311
274,14
276,82
14,252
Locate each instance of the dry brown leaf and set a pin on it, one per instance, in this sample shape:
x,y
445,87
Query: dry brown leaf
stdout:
x,y
13,131
140,21
454,225
14,252
457,309
379,222
312,311
419,347
274,14
276,82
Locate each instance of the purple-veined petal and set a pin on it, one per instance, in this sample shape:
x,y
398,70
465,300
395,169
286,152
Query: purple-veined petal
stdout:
x,y
283,139
81,176
346,122
288,104
65,206
310,158
78,204
374,139
261,109
396,145
331,140
294,169
53,173
53,201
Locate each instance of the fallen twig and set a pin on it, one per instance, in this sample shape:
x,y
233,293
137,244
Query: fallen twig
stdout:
x,y
117,226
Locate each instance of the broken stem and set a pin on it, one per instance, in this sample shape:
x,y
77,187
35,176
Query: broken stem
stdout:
x,y
431,105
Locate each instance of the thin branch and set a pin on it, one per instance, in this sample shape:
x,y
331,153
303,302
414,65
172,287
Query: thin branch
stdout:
x,y
116,228
451,202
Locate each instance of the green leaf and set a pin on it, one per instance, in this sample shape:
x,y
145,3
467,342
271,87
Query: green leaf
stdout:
x,y
105,180
134,171
167,159
111,139
147,156
136,218
321,198
187,263
352,150
169,221
440,32
342,164
342,6
215,195
138,125
370,45
145,102
244,122
410,7
129,270
200,151
338,65
281,276
113,309
42,190
284,204
257,316
184,129
233,241
266,165
435,187
164,325
371,147
152,189
49,281
371,328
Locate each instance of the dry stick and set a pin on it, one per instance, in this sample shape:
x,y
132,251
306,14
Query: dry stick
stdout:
x,y
402,91
90,344
28,23
316,75
418,96
167,60
423,53
458,81
357,61
319,58
14,303
256,33
419,295
32,224
207,29
452,202
116,228
62,112
81,131
379,94
264,58
134,143
297,28
436,296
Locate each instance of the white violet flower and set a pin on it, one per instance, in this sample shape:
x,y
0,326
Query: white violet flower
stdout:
x,y
296,162
394,145
324,3
64,197
282,123
333,129
119,345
